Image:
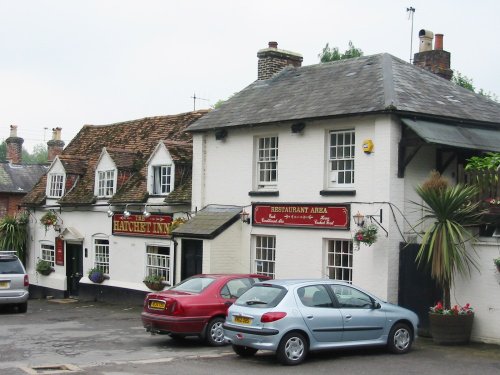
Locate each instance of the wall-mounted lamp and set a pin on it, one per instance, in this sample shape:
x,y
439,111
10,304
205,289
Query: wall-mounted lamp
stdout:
x,y
110,212
245,217
298,127
359,219
220,134
126,213
146,213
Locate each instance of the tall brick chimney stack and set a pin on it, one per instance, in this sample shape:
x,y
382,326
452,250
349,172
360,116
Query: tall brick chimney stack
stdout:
x,y
272,60
434,60
55,146
14,146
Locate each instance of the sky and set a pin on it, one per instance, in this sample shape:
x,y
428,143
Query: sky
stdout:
x,y
71,63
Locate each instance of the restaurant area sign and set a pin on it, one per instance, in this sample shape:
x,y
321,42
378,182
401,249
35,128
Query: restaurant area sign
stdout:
x,y
301,215
140,225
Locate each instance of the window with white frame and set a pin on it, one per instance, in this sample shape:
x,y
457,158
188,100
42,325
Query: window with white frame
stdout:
x,y
162,179
267,162
265,255
56,185
105,183
158,262
341,158
47,253
101,251
339,260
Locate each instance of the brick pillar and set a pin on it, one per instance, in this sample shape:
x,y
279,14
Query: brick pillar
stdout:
x,y
55,146
14,146
272,60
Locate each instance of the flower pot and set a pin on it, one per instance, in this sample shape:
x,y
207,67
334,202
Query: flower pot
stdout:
x,y
451,329
154,286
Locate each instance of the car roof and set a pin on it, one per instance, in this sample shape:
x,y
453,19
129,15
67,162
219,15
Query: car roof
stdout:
x,y
229,275
8,254
300,282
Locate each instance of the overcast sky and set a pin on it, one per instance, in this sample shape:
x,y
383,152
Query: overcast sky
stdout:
x,y
70,63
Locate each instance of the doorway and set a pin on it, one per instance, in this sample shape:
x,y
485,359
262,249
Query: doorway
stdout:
x,y
74,267
192,258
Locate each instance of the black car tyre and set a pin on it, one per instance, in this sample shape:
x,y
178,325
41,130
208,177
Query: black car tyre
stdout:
x,y
215,332
244,351
292,349
400,339
22,307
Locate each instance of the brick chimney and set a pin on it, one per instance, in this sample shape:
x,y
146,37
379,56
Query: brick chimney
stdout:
x,y
14,146
434,60
273,60
55,145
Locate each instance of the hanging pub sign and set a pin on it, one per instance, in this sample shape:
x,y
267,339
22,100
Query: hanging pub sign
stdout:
x,y
301,215
59,251
140,225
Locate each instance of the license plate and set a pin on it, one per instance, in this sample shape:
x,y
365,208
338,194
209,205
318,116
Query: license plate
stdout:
x,y
4,284
159,305
242,320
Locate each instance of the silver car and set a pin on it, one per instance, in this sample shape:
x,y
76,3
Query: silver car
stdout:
x,y
293,317
14,281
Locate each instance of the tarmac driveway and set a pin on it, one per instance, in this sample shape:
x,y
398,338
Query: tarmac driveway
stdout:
x,y
71,337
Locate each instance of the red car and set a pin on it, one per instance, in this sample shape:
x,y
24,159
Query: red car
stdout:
x,y
196,306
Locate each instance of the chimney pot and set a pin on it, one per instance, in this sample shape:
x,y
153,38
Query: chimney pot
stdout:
x,y
438,43
273,44
426,37
55,146
14,146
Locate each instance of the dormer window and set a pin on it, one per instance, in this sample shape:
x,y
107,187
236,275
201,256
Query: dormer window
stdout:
x,y
162,179
105,183
56,185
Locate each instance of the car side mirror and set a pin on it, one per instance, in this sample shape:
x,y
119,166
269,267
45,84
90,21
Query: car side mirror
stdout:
x,y
376,305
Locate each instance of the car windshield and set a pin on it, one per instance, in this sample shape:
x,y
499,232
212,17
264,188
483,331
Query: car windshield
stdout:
x,y
10,266
193,284
262,295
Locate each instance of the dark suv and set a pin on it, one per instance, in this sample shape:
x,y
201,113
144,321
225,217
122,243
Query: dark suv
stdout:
x,y
14,281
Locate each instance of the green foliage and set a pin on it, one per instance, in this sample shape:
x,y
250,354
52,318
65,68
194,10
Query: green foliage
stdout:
x,y
449,210
3,151
366,235
44,267
40,154
466,82
332,53
13,234
488,161
154,279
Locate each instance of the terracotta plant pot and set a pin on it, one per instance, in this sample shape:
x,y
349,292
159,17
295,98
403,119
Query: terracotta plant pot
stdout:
x,y
451,329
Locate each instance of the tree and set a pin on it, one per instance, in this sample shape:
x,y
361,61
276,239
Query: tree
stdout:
x,y
466,82
39,155
332,54
3,151
450,211
14,234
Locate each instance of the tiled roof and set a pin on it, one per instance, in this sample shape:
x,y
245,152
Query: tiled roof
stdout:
x,y
125,139
20,178
209,222
364,85
74,164
181,194
179,151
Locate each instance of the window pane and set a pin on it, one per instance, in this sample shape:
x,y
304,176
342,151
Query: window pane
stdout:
x,y
339,260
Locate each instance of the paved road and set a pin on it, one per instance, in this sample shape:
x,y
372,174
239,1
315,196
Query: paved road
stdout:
x,y
102,339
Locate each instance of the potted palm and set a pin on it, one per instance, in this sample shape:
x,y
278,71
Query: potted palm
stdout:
x,y
449,212
14,233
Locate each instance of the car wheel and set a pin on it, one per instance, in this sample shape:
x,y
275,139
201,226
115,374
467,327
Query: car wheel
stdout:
x,y
292,349
215,333
244,351
400,339
22,307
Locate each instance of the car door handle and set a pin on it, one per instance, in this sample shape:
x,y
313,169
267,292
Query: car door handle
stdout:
x,y
348,317
310,316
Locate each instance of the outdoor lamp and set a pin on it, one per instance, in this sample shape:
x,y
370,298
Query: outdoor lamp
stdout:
x,y
359,219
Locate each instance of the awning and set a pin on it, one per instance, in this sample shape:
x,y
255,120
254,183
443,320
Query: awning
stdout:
x,y
457,135
71,234
209,222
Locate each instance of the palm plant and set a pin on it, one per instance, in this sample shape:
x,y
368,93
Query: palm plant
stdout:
x,y
451,210
13,234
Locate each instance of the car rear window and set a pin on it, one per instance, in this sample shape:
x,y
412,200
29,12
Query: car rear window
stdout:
x,y
11,266
263,296
193,284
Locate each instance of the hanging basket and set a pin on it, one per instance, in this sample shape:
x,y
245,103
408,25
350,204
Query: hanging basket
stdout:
x,y
154,285
451,329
